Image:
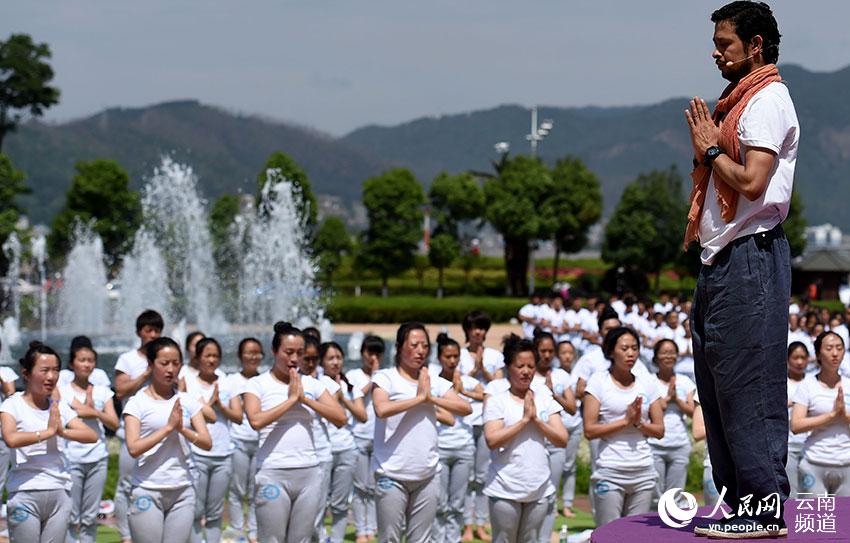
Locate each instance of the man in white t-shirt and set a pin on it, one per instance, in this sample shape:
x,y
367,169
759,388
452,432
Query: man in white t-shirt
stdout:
x,y
744,158
529,315
132,372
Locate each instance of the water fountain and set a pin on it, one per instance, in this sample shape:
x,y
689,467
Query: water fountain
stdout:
x,y
83,304
12,250
142,283
39,252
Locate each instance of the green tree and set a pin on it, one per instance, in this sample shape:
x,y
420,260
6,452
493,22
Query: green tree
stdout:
x,y
645,230
444,249
573,206
101,191
393,204
332,241
225,248
11,185
514,199
795,225
455,199
24,81
280,166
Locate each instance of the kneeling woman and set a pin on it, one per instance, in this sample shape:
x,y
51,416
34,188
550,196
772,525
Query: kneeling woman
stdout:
x,y
406,456
160,423
623,411
517,425
281,405
34,426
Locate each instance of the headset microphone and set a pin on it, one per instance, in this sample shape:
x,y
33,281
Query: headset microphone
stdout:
x,y
731,63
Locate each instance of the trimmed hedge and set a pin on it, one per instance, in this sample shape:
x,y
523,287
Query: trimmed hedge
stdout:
x,y
375,309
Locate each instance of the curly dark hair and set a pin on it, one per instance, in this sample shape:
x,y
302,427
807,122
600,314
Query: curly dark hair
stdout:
x,y
752,19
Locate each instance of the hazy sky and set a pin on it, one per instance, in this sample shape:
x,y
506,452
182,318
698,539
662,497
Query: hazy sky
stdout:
x,y
338,65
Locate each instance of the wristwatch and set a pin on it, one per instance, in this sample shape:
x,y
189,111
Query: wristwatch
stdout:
x,y
710,154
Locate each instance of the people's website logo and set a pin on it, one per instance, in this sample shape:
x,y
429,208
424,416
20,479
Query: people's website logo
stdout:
x,y
814,514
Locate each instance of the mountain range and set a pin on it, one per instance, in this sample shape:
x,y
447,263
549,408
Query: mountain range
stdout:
x,y
227,149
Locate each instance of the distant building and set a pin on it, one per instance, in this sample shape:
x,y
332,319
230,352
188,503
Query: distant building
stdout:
x,y
824,268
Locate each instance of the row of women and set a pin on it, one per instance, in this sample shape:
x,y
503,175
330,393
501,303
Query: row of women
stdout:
x,y
421,447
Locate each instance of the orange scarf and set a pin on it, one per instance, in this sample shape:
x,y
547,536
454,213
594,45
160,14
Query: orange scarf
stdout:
x,y
726,115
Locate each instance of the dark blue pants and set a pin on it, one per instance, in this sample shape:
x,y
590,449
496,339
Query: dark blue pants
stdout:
x,y
739,323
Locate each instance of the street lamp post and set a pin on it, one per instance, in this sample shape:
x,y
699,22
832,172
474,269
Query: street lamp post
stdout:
x,y
538,132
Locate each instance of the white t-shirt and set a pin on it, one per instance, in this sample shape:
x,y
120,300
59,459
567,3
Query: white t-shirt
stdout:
x,y
561,380
167,464
675,426
219,430
594,362
519,471
133,364
321,430
40,466
98,377
360,379
405,445
769,121
84,453
243,431
459,436
493,360
529,311
341,439
796,440
288,441
828,445
627,449
7,375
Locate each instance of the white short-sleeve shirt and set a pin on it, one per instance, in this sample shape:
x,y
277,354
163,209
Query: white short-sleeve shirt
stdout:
x,y
519,471
341,439
363,381
561,381
219,430
98,377
288,441
794,440
492,360
243,431
85,453
529,311
167,464
769,121
675,425
40,466
828,445
459,436
406,447
627,449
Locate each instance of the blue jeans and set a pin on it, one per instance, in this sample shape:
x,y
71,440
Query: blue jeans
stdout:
x,y
739,323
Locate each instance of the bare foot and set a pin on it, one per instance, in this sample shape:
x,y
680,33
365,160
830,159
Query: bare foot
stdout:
x,y
467,534
482,534
362,539
569,513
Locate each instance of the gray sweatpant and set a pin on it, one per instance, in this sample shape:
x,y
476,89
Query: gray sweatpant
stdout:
x,y
243,468
517,522
163,515
569,491
671,463
287,501
325,472
817,479
212,475
619,493
126,463
342,483
709,489
406,507
477,506
38,516
88,481
456,465
363,505
557,459
795,453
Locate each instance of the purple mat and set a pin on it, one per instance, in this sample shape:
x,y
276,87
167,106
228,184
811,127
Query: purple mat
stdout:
x,y
802,517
